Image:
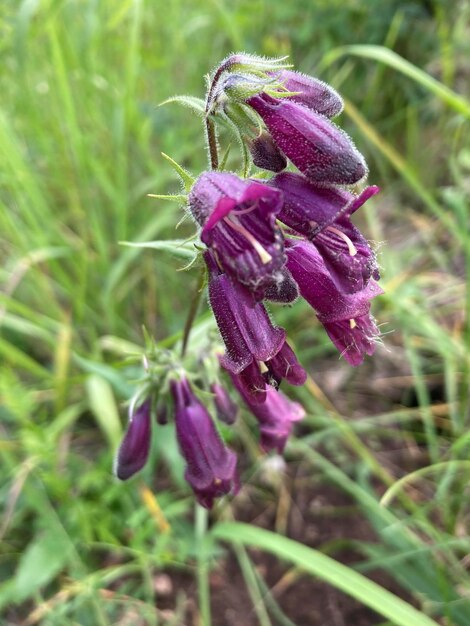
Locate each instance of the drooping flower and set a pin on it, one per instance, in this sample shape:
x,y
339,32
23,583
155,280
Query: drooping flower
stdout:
x,y
239,225
311,92
284,365
275,416
210,465
345,316
323,215
134,449
225,407
318,148
244,324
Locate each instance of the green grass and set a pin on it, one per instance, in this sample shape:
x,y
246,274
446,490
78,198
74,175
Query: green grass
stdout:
x,y
81,137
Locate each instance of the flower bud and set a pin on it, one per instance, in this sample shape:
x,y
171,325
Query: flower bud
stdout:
x,y
225,407
266,154
135,446
210,465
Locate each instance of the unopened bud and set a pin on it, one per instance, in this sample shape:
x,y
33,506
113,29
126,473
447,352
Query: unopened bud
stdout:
x,y
266,154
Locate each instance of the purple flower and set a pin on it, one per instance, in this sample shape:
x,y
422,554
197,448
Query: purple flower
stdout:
x,y
324,216
225,407
239,226
211,466
244,324
275,416
311,92
345,316
284,365
134,449
318,148
266,154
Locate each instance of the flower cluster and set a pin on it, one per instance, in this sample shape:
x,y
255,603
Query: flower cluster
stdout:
x,y
270,237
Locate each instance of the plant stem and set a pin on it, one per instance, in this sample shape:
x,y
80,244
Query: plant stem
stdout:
x,y
203,566
193,311
211,138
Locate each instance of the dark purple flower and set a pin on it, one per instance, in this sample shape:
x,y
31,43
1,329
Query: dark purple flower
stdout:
x,y
318,148
244,324
211,466
324,215
239,226
283,290
134,449
275,416
266,154
311,92
225,407
345,316
284,365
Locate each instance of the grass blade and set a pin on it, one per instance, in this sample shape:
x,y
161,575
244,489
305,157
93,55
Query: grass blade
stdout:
x,y
327,569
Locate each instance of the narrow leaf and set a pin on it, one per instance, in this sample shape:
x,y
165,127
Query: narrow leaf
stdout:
x,y
103,407
187,179
327,569
196,104
177,247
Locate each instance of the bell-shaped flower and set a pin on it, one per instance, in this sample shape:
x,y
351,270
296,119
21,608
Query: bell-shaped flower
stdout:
x,y
210,465
134,449
345,316
239,225
285,366
311,92
323,215
275,416
244,324
319,149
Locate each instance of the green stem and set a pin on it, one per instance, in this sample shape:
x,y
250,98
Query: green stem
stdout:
x,y
203,566
212,143
193,311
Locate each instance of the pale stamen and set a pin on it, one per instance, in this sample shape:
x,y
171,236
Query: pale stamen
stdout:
x,y
263,367
351,247
244,211
262,253
352,324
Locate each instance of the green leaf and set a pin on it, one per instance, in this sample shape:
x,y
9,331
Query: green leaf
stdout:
x,y
394,60
103,407
196,104
45,556
186,178
177,247
327,569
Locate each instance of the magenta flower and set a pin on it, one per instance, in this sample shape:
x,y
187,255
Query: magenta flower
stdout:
x,y
239,226
275,416
323,216
345,316
311,92
211,466
318,148
134,449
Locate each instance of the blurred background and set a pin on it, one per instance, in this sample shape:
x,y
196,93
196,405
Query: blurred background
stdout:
x,y
81,136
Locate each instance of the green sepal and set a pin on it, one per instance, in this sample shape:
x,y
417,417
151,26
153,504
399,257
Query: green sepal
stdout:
x,y
196,104
186,178
177,247
180,198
